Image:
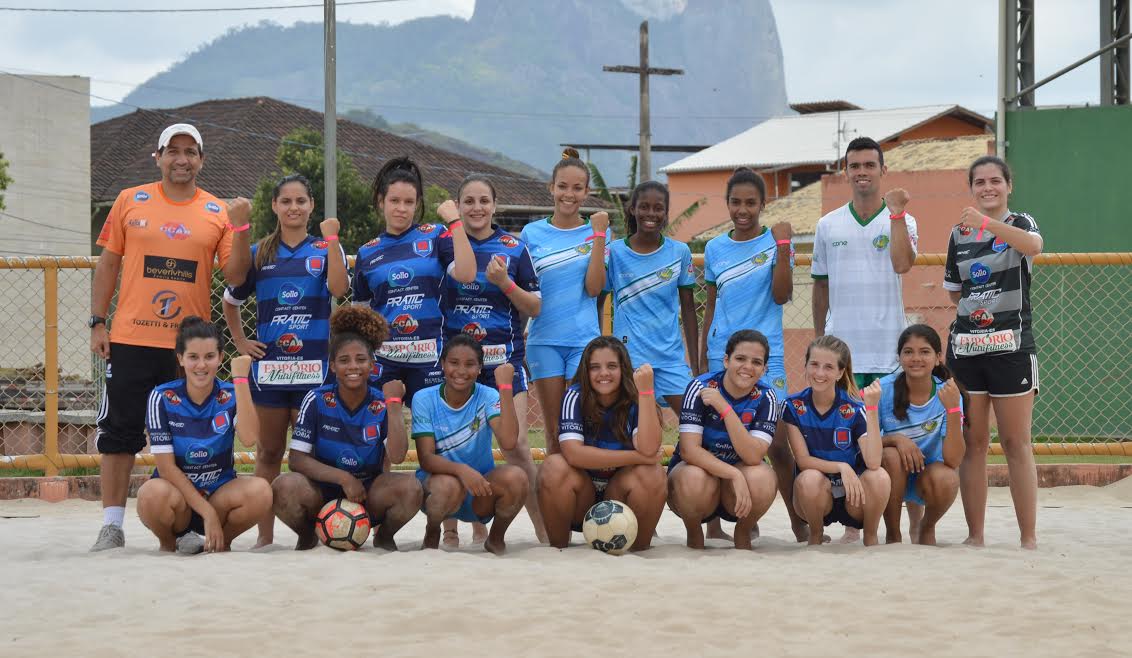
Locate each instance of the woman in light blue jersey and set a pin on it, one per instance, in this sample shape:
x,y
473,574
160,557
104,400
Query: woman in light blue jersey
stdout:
x,y
921,423
569,256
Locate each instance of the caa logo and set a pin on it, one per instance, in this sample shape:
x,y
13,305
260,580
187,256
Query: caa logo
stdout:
x,y
712,384
290,294
799,407
846,411
320,244
212,207
980,273
405,323
964,230
220,422
982,318
999,245
400,277
348,459
198,454
141,196
328,400
880,242
427,228
315,265
841,438
376,407
172,397
372,243
422,248
223,396
508,241
475,330
370,433
756,393
290,343
175,231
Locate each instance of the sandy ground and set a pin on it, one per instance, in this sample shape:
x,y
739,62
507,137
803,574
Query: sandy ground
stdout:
x,y
1068,598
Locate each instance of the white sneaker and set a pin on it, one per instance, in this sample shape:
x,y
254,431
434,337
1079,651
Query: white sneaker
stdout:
x,y
111,536
190,543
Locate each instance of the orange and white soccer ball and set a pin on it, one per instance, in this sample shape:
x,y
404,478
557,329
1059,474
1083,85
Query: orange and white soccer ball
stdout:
x,y
343,524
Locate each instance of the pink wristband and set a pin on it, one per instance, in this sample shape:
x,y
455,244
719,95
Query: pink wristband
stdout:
x,y
723,414
456,224
955,410
389,401
330,238
511,288
240,229
648,392
781,242
239,380
898,216
506,387
982,228
871,408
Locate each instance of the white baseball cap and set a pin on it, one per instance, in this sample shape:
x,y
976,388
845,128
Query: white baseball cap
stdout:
x,y
179,129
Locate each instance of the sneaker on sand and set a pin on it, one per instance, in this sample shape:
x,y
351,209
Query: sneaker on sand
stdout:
x,y
190,544
111,536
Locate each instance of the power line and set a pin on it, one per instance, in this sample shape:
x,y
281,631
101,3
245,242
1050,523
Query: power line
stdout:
x,y
43,224
186,10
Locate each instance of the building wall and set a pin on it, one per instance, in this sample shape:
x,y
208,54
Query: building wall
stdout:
x,y
941,128
45,136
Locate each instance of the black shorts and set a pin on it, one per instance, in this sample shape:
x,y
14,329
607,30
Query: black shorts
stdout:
x,y
131,373
999,375
841,515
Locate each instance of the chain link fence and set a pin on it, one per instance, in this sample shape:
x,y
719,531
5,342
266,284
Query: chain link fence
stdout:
x,y
1082,311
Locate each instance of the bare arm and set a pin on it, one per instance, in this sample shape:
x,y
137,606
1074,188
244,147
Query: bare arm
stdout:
x,y
692,451
337,280
691,328
170,472
580,455
595,271
709,317
505,426
782,279
900,250
301,462
397,437
820,305
954,447
464,260
105,280
247,420
955,296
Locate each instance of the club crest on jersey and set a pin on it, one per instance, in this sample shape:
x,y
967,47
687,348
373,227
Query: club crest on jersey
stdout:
x,y
799,407
756,393
426,228
290,343
376,372
508,241
982,318
372,243
760,258
841,438
880,242
175,231
376,407
328,400
212,207
503,259
999,245
846,411
141,195
422,248
712,383
475,426
369,433
220,422
584,248
964,230
747,417
172,398
780,383
223,396
320,244
930,425
405,323
315,265
666,274
475,330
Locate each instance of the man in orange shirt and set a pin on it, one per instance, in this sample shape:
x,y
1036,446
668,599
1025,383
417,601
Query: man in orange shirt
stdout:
x,y
162,238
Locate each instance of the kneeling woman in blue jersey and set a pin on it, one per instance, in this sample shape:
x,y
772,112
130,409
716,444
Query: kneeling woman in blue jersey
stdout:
x,y
921,424
836,445
452,427
345,432
609,435
727,423
192,423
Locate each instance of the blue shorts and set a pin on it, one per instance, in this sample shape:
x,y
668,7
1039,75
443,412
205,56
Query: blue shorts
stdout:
x,y
670,380
331,491
839,514
774,377
547,361
910,493
518,383
269,396
414,377
465,512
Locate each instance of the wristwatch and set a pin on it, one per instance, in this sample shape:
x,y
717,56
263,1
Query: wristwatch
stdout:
x,y
95,320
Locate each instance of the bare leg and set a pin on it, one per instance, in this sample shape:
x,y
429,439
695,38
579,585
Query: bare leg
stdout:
x,y
451,537
714,530
973,469
509,488
114,476
643,489
877,486
164,511
521,457
564,495
813,500
762,484
1015,417
296,502
443,495
937,485
693,494
550,391
393,499
899,477
783,462
273,424
916,515
240,504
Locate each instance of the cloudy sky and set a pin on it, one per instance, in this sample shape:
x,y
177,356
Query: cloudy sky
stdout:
x,y
881,53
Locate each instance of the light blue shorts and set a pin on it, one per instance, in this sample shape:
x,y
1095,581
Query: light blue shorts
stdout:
x,y
547,361
670,380
774,378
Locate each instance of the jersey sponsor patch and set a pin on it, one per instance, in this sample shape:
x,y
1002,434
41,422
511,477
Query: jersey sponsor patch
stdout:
x,y
975,344
315,265
422,248
175,231
999,245
475,330
181,270
223,396
289,373
290,294
328,400
494,355
141,195
980,273
170,396
164,304
846,411
508,241
409,351
799,407
400,276
290,343
198,454
212,207
220,422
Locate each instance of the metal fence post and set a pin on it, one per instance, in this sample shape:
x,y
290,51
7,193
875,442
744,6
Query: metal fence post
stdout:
x,y
51,366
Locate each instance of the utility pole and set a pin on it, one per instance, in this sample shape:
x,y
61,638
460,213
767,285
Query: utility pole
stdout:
x,y
329,113
644,71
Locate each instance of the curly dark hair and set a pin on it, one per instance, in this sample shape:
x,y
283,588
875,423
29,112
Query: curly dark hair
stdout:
x,y
356,323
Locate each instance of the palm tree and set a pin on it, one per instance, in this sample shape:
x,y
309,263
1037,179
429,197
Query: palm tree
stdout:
x,y
617,215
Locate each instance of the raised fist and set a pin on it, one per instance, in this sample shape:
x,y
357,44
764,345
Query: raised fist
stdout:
x,y
239,211
497,272
329,226
393,389
871,394
642,377
241,365
600,222
782,231
972,218
448,211
949,394
504,374
897,199
712,398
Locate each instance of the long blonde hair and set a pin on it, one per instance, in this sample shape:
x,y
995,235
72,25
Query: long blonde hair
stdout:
x,y
844,361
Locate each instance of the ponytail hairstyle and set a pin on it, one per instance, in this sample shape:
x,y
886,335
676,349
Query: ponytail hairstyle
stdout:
x,y
985,160
399,170
746,176
940,371
631,205
593,415
844,361
570,158
268,245
194,327
349,324
475,178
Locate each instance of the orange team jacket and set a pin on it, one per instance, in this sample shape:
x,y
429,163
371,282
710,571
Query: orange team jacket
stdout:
x,y
167,250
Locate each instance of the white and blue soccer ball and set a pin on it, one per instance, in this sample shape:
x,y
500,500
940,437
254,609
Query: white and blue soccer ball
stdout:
x,y
610,527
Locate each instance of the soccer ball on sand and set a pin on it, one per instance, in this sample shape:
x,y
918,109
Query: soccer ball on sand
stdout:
x,y
344,525
610,527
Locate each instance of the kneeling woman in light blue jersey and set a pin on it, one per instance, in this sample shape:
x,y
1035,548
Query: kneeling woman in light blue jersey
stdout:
x,y
836,444
921,424
727,423
452,427
345,432
192,423
610,446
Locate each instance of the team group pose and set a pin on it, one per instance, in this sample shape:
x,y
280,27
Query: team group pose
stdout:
x,y
450,325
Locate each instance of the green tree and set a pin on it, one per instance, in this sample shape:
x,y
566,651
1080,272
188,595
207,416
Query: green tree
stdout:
x,y
5,179
301,153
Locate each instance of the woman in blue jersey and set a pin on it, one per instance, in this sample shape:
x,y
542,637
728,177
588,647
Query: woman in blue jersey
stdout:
x,y
749,276
492,310
452,427
192,423
293,277
610,446
569,257
921,424
652,282
345,432
727,422
836,444
401,275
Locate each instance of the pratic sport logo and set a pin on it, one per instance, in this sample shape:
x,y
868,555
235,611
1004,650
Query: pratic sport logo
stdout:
x,y
141,196
400,276
290,294
212,207
475,330
999,245
164,304
198,454
980,273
